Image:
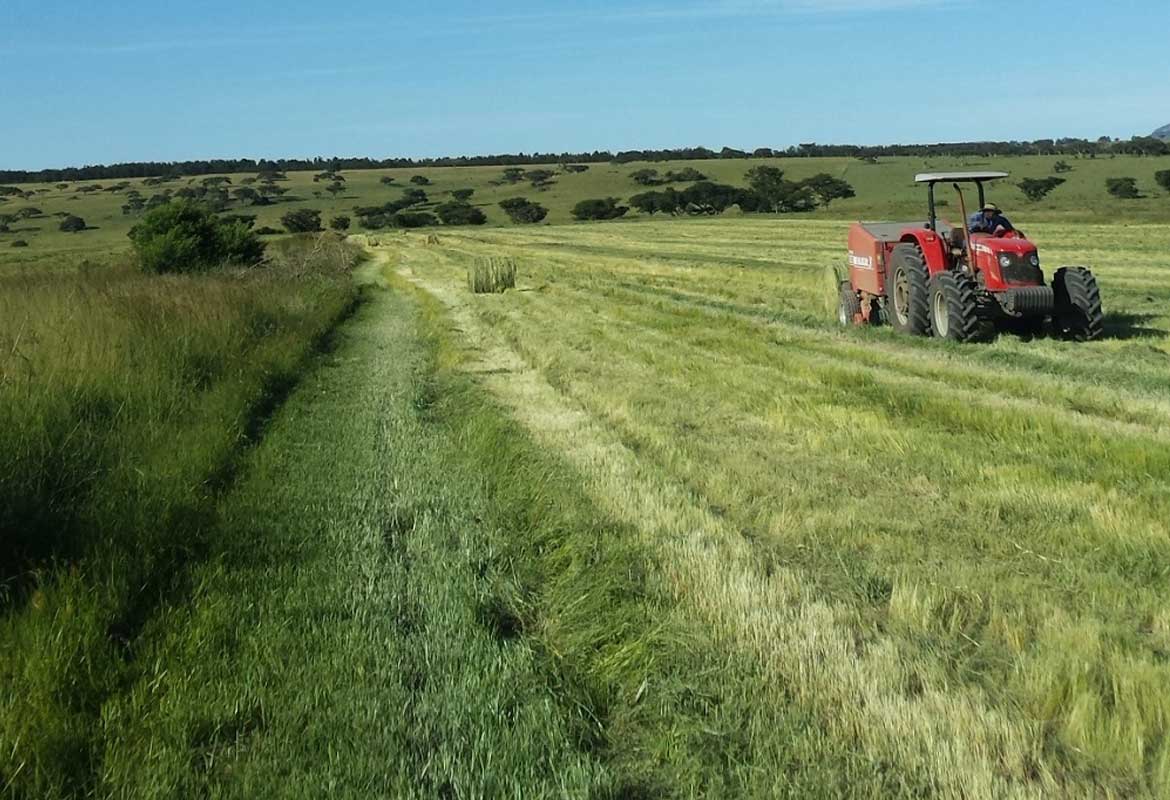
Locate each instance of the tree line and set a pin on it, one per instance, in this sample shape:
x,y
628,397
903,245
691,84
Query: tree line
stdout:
x,y
1138,145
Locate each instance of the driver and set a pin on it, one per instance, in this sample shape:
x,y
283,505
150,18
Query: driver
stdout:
x,y
989,220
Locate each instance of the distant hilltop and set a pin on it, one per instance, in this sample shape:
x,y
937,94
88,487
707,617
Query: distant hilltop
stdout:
x,y
1162,133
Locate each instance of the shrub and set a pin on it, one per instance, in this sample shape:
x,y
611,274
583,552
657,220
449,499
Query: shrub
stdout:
x,y
575,167
387,180
1035,189
268,230
414,219
688,175
412,197
645,177
491,274
72,224
303,220
184,236
522,211
513,174
1062,166
462,195
339,223
539,178
420,180
456,213
597,209
1162,178
1125,188
19,243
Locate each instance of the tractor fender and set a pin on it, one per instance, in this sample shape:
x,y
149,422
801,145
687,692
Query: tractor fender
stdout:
x,y
932,247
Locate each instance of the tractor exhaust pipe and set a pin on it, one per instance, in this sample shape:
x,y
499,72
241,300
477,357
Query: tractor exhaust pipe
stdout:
x,y
966,231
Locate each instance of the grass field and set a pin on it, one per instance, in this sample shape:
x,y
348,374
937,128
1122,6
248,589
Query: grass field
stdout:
x,y
647,525
953,559
884,191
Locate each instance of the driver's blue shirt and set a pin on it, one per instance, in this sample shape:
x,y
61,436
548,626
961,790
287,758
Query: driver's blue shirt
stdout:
x,y
977,224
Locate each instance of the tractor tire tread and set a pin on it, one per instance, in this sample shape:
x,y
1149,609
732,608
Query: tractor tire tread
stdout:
x,y
962,299
908,256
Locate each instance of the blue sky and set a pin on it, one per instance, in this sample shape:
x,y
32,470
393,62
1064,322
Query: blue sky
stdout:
x,y
171,80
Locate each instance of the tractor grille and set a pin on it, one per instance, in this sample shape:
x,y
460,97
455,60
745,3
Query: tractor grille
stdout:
x,y
1020,270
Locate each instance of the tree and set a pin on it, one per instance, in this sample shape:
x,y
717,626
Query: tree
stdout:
x,y
597,209
1162,178
387,180
827,188
522,211
335,189
420,180
184,236
706,197
645,177
216,180
768,182
774,193
668,201
1125,188
303,220
1035,189
462,195
339,223
72,224
456,213
513,174
1062,166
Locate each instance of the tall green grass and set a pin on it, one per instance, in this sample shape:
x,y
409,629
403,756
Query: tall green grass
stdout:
x,y
125,402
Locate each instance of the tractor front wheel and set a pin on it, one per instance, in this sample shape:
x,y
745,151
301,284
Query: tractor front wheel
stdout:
x,y
1078,304
954,308
849,306
906,291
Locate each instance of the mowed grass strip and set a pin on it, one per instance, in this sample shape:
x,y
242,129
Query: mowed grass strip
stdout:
x,y
982,559
127,401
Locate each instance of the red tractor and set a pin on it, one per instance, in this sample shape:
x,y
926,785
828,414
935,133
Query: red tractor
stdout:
x,y
939,279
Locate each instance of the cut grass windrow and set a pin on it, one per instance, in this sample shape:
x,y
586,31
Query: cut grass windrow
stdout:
x,y
952,557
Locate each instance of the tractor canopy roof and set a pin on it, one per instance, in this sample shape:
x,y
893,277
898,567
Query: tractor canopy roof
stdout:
x,y
935,177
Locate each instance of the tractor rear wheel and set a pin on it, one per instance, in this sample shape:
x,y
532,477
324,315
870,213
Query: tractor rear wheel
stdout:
x,y
906,291
849,306
1078,304
954,308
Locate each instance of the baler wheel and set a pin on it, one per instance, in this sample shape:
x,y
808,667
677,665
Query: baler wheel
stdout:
x,y
849,305
954,308
907,295
1078,304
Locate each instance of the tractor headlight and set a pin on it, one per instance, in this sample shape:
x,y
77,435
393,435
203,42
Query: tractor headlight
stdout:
x,y
1034,260
1005,261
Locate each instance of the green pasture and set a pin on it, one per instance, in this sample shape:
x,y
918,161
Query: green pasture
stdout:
x,y
884,191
